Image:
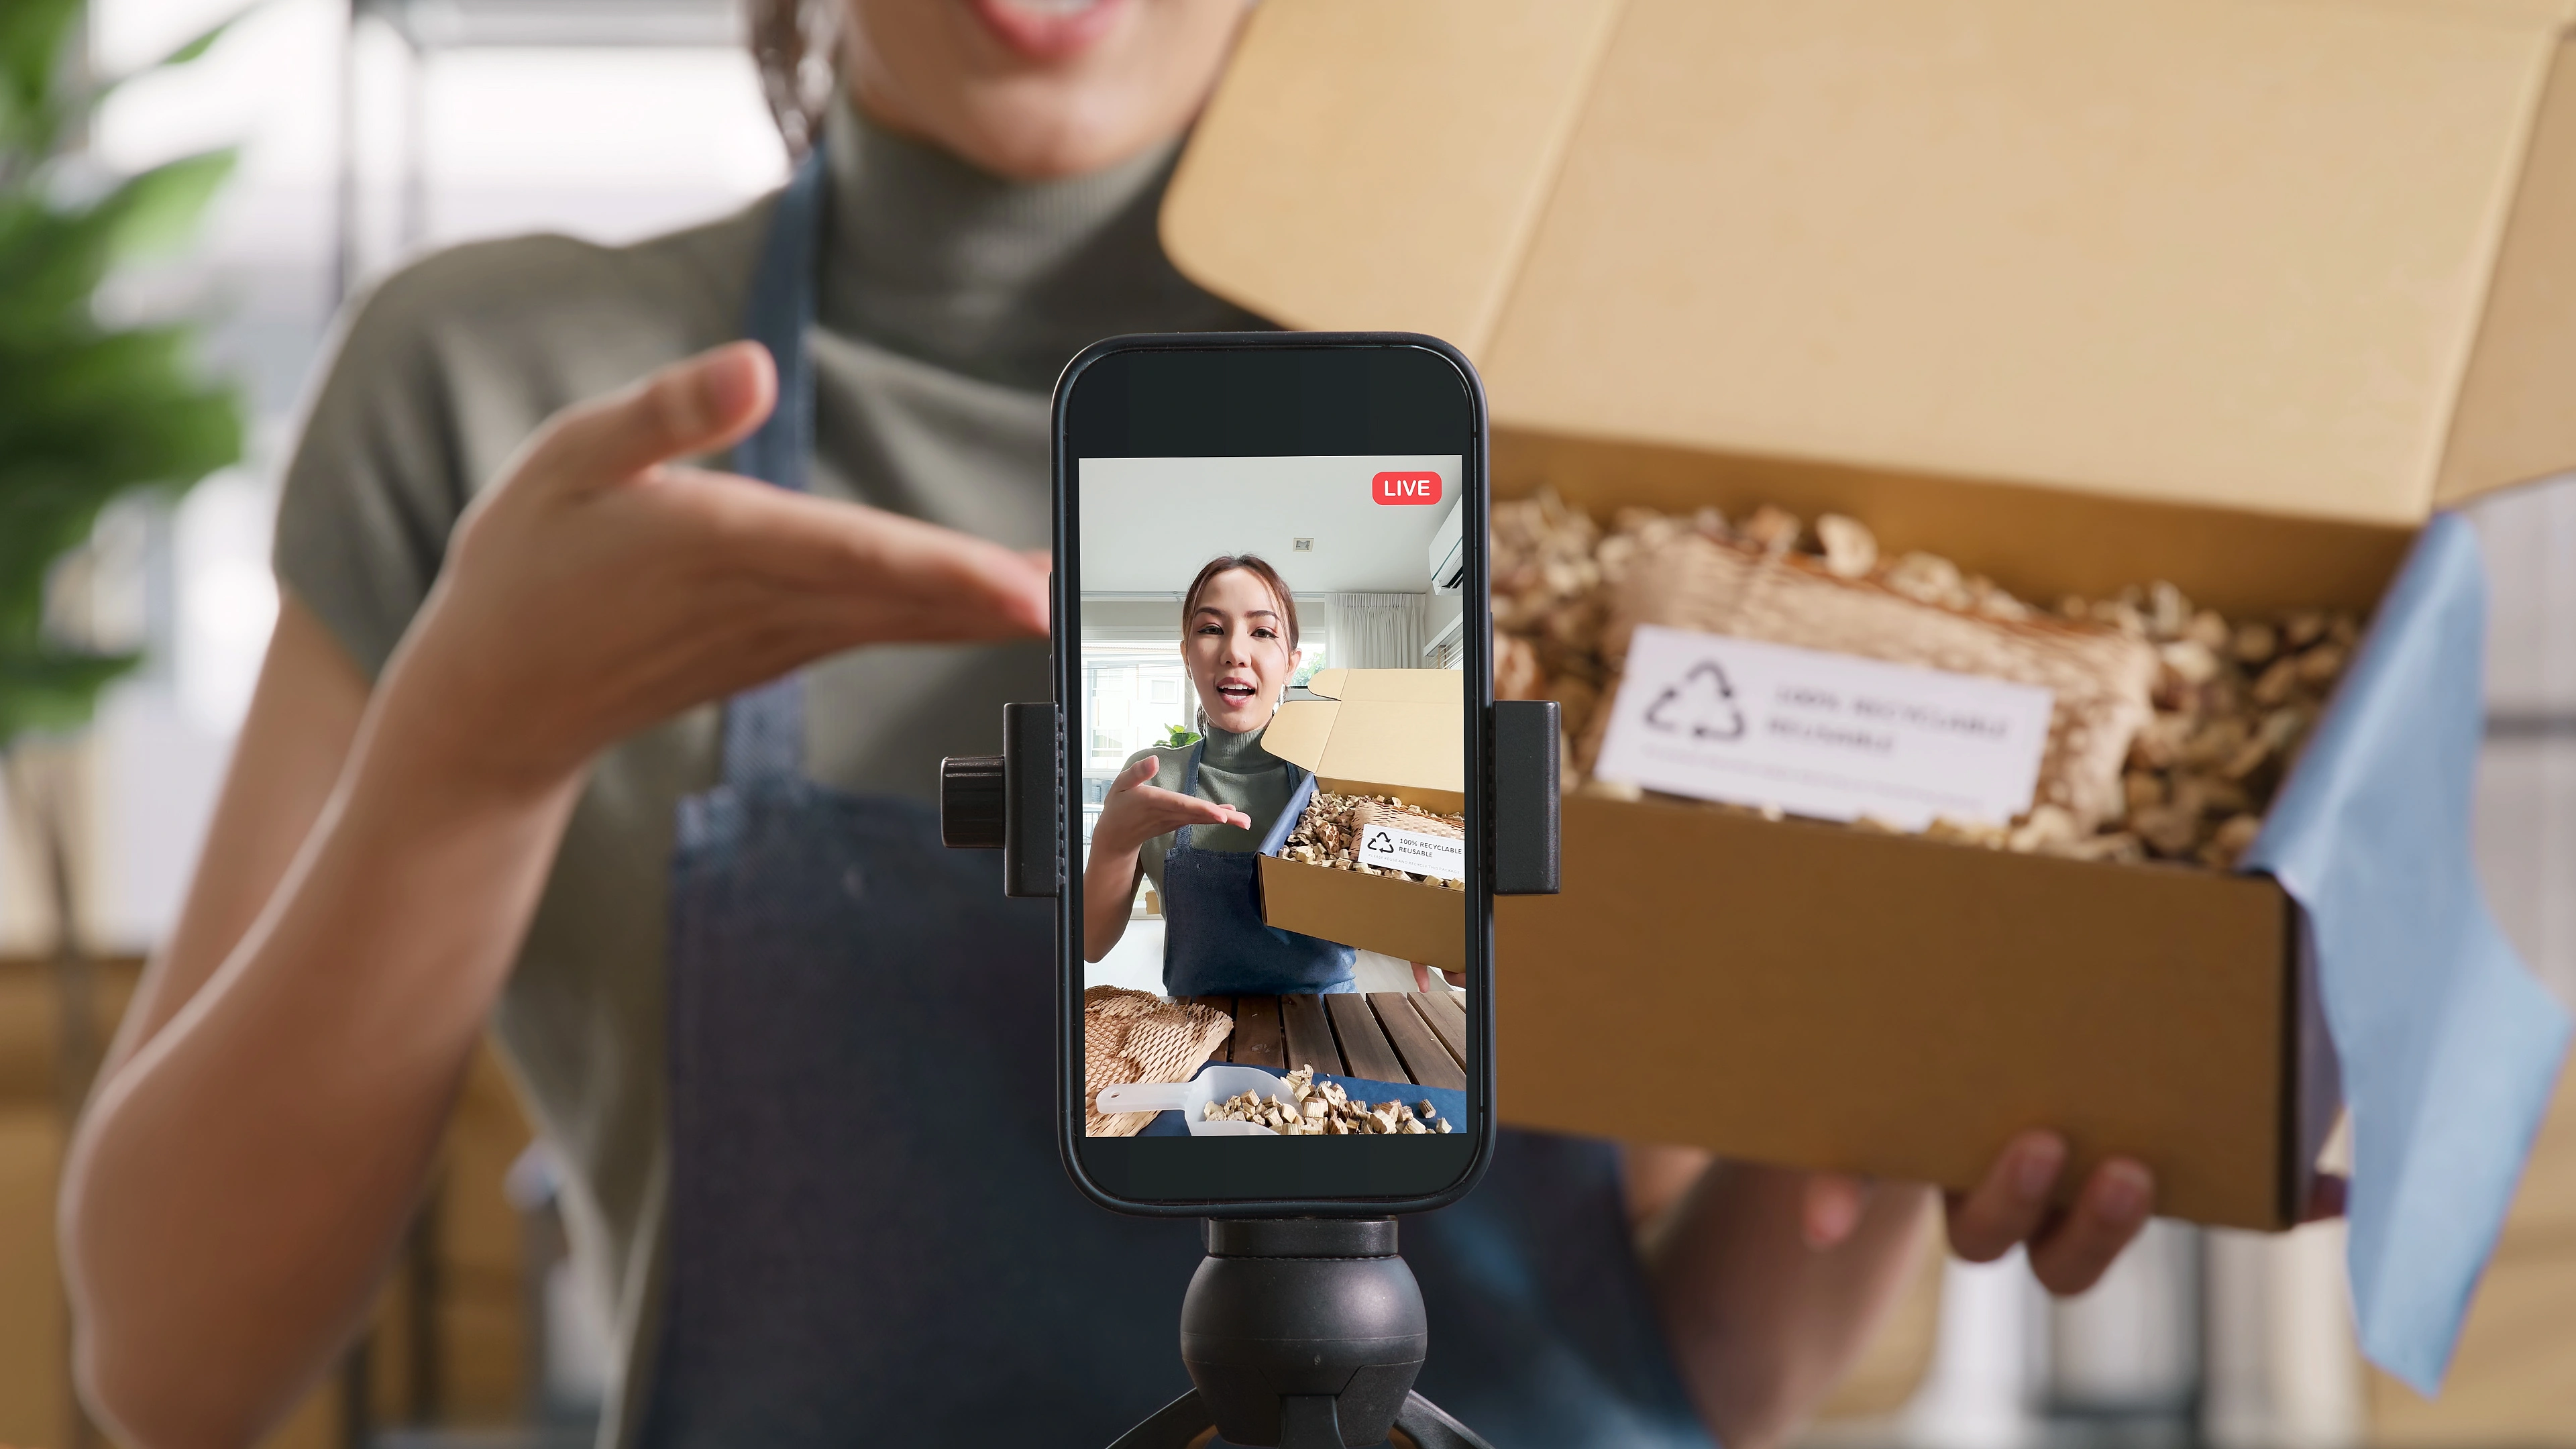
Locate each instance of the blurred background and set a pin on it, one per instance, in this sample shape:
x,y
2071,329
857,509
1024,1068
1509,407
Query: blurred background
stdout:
x,y
370,130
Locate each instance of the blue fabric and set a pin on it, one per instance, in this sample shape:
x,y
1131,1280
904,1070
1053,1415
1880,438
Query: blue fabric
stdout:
x,y
872,1240
764,727
1214,940
1449,1102
2449,1048
1542,1333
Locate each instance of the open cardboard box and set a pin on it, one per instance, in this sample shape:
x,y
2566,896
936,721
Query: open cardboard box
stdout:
x,y
1374,732
2081,296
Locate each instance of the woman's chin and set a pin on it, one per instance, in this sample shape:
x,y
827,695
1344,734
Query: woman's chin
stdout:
x,y
1235,721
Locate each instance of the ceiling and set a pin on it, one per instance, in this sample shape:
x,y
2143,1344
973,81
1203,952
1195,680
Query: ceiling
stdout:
x,y
1148,524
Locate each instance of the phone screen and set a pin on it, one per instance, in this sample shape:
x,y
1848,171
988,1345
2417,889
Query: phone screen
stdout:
x,y
1271,661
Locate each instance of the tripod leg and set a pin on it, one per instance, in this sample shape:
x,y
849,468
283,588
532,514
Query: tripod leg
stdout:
x,y
1180,1424
1421,1424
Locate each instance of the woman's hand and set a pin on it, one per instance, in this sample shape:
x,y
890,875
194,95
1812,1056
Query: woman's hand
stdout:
x,y
2070,1249
601,585
274,1100
1136,812
1770,1281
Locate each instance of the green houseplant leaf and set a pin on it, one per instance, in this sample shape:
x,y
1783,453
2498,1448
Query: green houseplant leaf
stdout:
x,y
88,413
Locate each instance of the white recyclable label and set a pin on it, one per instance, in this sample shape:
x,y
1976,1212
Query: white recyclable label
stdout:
x,y
1823,735
1433,855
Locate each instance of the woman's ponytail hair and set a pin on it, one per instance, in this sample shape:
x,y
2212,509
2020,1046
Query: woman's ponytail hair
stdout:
x,y
1253,564
797,46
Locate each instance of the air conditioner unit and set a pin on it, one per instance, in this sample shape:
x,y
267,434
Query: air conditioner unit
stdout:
x,y
1448,553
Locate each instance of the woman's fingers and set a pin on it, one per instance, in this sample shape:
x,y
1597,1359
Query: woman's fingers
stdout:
x,y
1422,973
1831,1208
1170,809
710,401
2069,1251
901,568
2107,1215
2011,1203
878,576
1191,810
2326,1197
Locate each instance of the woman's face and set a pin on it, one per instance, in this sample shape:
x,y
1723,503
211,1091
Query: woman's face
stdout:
x,y
1236,650
1037,89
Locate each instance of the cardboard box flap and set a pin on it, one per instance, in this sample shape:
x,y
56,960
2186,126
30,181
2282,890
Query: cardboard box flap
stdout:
x,y
2313,259
1343,180
2513,421
1379,731
1407,686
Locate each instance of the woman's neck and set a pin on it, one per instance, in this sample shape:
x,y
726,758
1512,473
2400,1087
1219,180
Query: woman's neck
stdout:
x,y
998,279
1228,750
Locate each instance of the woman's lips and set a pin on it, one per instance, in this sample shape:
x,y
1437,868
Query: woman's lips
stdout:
x,y
1236,688
1047,29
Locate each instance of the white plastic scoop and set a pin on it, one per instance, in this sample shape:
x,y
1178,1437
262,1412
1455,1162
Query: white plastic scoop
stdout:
x,y
1190,1099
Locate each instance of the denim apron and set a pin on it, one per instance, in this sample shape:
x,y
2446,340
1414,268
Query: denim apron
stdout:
x,y
871,1238
1214,940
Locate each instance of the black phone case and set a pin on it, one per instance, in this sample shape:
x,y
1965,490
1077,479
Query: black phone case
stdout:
x,y
1525,870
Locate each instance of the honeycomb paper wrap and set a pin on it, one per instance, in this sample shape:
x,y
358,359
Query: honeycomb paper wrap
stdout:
x,y
1136,1036
2099,677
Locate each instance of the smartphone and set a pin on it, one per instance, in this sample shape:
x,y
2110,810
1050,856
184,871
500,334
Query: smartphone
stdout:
x,y
1272,644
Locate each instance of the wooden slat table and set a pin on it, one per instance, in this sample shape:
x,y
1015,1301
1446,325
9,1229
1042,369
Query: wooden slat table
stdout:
x,y
1384,1036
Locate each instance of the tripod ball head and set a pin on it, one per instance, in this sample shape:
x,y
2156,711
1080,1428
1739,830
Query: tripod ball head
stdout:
x,y
1303,1332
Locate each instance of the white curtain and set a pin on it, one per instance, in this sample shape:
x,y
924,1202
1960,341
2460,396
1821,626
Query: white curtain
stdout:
x,y
1380,631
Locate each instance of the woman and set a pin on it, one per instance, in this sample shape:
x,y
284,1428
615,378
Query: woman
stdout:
x,y
794,1054
1198,842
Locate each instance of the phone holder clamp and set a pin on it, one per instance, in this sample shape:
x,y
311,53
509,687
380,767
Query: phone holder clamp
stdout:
x,y
1008,802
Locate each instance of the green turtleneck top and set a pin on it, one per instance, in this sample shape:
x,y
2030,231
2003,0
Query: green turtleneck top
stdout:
x,y
949,301
1235,771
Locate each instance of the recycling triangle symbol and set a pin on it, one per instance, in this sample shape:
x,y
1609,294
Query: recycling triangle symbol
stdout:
x,y
1378,842
1702,703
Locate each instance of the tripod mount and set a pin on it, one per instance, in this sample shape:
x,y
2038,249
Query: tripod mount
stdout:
x,y
1298,1333
1303,1333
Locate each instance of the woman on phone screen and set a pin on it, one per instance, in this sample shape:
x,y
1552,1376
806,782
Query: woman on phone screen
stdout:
x,y
1228,800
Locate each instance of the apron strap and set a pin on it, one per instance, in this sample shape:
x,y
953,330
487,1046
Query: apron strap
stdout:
x,y
1189,786
764,726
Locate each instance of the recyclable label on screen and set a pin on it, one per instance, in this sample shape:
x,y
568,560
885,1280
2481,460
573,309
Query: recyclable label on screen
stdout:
x,y
1431,855
1824,735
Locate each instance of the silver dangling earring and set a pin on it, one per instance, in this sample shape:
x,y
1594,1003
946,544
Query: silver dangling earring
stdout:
x,y
796,44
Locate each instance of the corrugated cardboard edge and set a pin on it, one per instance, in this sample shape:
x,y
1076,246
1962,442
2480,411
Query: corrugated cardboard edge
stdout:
x,y
1315,82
